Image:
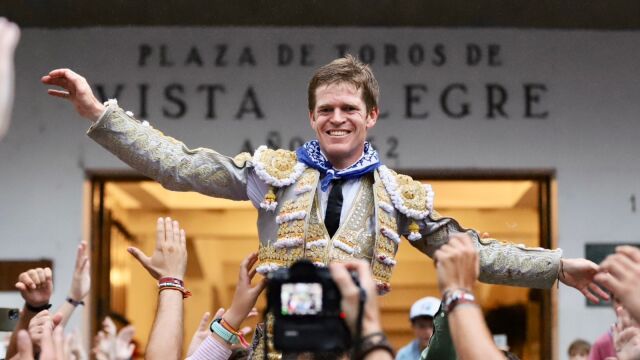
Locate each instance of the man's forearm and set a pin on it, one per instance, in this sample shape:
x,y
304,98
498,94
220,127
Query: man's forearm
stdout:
x,y
470,334
165,340
23,324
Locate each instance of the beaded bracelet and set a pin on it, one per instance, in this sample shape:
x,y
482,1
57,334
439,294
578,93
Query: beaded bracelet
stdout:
x,y
173,284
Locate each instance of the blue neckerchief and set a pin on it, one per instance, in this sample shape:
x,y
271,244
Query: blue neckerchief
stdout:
x,y
309,153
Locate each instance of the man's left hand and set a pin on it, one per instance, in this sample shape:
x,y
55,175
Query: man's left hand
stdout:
x,y
579,274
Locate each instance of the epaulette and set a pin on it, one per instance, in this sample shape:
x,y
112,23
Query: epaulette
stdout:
x,y
277,168
410,197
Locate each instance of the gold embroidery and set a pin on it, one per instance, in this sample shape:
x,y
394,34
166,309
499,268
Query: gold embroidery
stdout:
x,y
289,231
413,193
316,231
279,163
354,232
306,182
383,245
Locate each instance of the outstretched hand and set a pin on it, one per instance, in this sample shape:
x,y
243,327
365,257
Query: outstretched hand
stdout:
x,y
81,280
246,295
77,90
169,258
580,274
41,323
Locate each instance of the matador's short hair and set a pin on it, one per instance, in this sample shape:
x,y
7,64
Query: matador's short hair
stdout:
x,y
349,70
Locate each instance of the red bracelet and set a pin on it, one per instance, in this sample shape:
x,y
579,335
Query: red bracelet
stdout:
x,y
173,284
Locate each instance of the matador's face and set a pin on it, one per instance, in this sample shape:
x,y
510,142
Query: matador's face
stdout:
x,y
341,122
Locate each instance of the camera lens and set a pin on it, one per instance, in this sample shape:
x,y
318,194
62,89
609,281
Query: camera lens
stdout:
x,y
13,314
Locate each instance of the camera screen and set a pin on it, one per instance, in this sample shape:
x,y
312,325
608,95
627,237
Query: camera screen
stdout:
x,y
301,298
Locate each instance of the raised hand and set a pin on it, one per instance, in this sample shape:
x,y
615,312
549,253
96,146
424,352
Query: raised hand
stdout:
x,y
77,90
81,280
620,274
169,258
457,263
124,344
202,331
75,348
9,36
246,295
35,286
111,344
580,274
42,323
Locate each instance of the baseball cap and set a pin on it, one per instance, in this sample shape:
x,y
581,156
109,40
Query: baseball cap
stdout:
x,y
427,306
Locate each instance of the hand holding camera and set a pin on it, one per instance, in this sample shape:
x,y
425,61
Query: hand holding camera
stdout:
x,y
457,263
342,274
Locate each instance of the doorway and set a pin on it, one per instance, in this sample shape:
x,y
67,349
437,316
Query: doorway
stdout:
x,y
220,233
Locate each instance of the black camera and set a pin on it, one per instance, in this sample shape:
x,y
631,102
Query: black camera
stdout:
x,y
305,303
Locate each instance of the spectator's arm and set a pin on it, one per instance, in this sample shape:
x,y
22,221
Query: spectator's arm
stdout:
x,y
457,266
9,36
169,259
36,287
371,327
80,284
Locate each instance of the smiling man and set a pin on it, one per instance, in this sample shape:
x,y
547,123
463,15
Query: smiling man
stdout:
x,y
331,199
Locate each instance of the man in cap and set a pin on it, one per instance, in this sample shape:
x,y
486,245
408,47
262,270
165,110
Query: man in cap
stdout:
x,y
421,317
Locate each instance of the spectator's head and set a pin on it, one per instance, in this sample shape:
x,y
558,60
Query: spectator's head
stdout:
x,y
421,316
579,350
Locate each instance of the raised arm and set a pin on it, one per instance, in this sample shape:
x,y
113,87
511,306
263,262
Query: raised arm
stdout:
x,y
169,264
80,284
36,287
457,266
149,151
9,36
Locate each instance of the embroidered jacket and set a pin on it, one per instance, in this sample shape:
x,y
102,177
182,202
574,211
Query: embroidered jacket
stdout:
x,y
290,225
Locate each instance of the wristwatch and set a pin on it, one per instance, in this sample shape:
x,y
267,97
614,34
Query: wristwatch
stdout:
x,y
225,334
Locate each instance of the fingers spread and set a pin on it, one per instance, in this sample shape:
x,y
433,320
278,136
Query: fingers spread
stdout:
x,y
139,255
